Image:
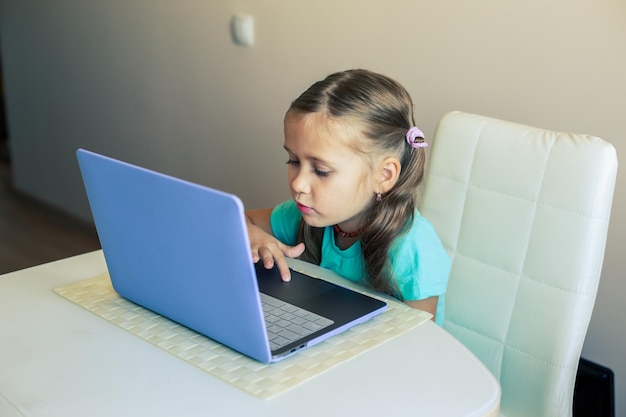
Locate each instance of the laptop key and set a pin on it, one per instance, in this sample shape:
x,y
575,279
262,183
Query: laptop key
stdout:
x,y
302,331
287,323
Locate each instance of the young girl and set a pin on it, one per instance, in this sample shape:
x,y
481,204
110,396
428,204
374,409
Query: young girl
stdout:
x,y
355,162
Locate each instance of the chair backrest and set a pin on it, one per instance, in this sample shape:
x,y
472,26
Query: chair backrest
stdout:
x,y
523,213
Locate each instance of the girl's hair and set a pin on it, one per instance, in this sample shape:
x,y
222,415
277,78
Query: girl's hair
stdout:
x,y
382,111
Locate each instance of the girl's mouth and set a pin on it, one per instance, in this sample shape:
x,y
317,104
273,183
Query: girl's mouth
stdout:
x,y
304,209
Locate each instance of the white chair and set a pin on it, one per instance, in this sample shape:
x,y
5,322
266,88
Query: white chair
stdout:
x,y
523,213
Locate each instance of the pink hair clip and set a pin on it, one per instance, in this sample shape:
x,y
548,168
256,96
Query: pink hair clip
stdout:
x,y
415,138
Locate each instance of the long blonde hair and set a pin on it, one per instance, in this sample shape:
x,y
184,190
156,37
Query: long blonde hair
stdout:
x,y
383,109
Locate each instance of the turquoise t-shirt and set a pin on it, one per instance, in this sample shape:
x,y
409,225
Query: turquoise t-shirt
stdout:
x,y
420,263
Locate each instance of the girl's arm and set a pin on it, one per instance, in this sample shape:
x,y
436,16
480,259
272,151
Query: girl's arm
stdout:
x,y
428,304
265,246
260,218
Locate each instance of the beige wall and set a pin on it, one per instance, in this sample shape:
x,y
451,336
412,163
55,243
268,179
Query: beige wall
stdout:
x,y
161,84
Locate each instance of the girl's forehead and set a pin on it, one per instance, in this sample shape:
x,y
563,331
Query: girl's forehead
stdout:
x,y
321,130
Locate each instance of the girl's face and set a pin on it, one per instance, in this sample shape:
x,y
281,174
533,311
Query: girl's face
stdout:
x,y
330,182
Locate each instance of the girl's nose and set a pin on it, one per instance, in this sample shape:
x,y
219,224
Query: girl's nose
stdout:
x,y
300,184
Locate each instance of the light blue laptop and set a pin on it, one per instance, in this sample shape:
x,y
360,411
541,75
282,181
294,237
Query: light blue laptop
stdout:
x,y
182,250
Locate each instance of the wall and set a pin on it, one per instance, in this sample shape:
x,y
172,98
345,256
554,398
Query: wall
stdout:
x,y
160,83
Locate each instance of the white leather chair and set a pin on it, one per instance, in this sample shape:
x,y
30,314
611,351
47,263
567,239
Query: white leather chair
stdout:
x,y
523,213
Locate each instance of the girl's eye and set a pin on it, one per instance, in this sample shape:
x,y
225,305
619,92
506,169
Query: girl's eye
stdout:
x,y
318,172
321,173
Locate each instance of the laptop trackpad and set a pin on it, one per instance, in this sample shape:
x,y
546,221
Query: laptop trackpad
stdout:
x,y
296,291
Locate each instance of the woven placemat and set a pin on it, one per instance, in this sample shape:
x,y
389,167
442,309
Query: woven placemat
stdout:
x,y
262,380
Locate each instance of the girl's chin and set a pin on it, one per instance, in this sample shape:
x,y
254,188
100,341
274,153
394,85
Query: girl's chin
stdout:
x,y
313,223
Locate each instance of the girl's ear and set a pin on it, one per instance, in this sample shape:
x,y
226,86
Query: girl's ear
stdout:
x,y
389,172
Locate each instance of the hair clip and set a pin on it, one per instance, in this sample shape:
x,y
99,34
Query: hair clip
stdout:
x,y
415,138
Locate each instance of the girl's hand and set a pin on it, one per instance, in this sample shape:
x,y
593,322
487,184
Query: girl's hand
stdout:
x,y
271,251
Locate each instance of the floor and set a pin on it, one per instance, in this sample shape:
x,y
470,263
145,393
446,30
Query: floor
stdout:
x,y
32,233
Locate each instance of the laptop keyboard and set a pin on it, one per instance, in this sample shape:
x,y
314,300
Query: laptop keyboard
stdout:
x,y
287,323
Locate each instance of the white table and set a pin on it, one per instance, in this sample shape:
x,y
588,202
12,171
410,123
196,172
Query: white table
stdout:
x,y
57,359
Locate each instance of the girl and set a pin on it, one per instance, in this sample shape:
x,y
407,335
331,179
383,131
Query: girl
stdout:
x,y
355,162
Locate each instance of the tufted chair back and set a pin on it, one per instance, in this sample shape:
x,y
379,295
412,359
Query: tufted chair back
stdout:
x,y
523,213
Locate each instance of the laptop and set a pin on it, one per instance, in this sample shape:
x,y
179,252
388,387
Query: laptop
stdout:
x,y
181,250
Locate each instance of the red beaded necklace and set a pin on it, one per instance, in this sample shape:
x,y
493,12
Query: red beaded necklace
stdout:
x,y
345,234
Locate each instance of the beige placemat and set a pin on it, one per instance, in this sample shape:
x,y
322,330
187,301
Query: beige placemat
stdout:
x,y
262,380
